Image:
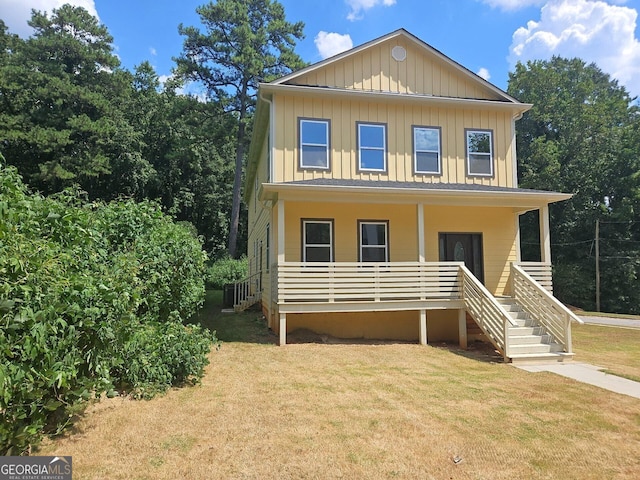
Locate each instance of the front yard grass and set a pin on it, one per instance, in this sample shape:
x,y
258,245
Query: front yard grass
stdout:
x,y
324,411
617,350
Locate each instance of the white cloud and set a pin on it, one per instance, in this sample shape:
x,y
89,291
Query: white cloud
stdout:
x,y
484,73
16,13
330,44
358,7
153,51
594,31
511,5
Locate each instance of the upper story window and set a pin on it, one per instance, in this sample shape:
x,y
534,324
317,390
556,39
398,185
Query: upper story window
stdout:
x,y
426,150
374,241
372,147
317,240
314,144
480,153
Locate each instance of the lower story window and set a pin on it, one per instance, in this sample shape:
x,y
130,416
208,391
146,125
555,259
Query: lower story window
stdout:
x,y
374,241
317,240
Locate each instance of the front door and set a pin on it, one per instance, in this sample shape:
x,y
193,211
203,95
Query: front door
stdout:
x,y
463,247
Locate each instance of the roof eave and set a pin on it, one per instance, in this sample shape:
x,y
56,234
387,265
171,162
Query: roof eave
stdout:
x,y
519,199
517,108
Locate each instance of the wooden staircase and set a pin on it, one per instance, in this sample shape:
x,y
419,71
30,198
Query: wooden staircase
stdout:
x,y
529,341
247,292
246,303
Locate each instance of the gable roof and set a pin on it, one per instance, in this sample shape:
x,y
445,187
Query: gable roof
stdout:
x,y
293,83
400,34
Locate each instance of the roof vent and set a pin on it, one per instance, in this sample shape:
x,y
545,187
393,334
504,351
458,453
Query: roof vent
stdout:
x,y
398,53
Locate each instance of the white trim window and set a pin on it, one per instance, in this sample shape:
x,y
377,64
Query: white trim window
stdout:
x,y
314,144
372,147
374,241
426,150
480,152
317,240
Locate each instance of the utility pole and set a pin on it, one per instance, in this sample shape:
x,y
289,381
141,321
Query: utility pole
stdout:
x,y
597,264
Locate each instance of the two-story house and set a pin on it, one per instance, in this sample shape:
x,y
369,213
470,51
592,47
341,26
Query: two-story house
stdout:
x,y
383,203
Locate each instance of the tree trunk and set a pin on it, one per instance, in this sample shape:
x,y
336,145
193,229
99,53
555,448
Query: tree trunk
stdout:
x,y
237,181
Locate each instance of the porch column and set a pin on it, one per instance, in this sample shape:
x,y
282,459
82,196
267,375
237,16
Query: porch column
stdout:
x,y
283,329
421,249
462,328
545,238
280,231
283,316
423,327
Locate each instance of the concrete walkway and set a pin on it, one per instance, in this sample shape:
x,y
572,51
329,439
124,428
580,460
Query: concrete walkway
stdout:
x,y
587,373
611,322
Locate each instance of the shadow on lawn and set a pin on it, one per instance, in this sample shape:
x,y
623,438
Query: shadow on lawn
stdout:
x,y
251,327
476,350
245,327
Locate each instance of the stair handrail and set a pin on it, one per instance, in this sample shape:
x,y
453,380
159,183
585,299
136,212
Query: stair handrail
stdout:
x,y
507,320
560,331
243,289
545,293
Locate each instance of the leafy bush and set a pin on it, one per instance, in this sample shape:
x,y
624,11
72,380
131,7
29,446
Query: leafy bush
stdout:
x,y
227,270
160,355
91,297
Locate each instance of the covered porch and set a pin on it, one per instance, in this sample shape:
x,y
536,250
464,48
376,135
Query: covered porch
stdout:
x,y
418,276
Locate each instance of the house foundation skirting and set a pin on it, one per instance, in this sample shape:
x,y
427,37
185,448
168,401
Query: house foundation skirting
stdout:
x,y
421,325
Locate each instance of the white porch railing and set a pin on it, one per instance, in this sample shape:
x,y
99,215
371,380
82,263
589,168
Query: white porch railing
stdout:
x,y
247,291
355,282
543,306
490,316
541,272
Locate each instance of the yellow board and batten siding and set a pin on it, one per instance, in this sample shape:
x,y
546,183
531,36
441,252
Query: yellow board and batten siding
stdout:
x,y
499,249
258,217
495,224
403,237
369,85
374,69
399,119
498,231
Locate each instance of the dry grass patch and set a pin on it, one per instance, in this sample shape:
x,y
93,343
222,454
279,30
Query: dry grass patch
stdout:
x,y
310,411
616,349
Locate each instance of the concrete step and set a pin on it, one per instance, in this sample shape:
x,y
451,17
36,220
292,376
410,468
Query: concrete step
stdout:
x,y
528,339
523,330
532,358
525,322
519,315
534,348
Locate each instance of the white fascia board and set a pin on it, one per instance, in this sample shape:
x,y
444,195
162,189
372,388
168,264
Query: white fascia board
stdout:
x,y
516,108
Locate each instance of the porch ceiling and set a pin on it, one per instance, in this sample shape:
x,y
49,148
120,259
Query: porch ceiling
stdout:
x,y
362,191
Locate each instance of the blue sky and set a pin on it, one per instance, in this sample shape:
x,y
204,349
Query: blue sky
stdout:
x,y
486,36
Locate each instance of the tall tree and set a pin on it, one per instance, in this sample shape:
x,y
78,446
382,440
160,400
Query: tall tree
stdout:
x,y
186,141
244,42
60,92
578,138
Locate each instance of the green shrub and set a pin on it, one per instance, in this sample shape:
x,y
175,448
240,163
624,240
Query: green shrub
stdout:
x,y
161,355
172,262
226,270
88,293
